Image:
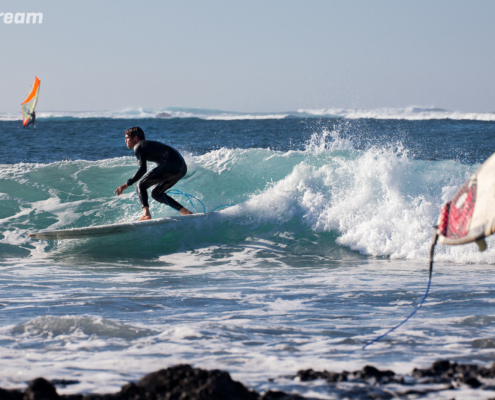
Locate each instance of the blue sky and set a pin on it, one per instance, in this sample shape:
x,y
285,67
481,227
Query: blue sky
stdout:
x,y
250,55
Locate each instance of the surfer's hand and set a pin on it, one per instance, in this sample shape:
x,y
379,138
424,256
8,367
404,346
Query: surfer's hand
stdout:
x,y
120,189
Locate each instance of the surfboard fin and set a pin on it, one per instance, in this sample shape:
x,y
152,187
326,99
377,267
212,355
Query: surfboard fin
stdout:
x,y
481,244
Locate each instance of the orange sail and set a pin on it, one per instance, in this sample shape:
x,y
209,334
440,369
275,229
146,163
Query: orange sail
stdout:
x,y
29,104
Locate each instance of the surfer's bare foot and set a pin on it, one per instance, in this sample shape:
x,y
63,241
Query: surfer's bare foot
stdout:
x,y
146,214
185,211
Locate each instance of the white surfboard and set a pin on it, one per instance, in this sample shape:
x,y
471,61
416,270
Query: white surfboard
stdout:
x,y
470,215
105,230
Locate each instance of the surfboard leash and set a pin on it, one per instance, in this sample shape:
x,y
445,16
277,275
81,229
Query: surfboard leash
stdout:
x,y
434,241
223,205
175,191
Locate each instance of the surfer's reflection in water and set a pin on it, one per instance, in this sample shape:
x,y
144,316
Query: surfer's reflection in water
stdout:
x,y
171,168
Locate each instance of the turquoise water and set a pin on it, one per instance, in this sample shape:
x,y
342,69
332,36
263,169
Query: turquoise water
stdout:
x,y
325,247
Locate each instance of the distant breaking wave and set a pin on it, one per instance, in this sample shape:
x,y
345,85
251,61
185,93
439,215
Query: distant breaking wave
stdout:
x,y
142,113
409,113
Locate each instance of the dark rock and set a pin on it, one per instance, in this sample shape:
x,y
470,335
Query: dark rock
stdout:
x,y
473,382
41,389
369,371
71,397
275,395
10,394
424,392
310,375
488,372
336,377
439,367
103,397
468,370
131,391
441,371
181,382
186,383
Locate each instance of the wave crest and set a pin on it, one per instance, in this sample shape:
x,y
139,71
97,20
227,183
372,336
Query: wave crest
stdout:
x,y
413,113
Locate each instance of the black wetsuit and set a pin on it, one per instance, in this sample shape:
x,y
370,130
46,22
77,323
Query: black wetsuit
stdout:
x,y
32,119
171,168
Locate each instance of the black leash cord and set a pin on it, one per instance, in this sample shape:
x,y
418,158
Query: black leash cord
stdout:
x,y
434,240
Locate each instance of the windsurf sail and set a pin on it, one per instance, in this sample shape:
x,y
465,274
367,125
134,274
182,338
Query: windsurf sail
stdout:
x,y
29,104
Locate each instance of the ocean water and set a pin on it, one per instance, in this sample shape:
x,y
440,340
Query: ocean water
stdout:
x,y
323,248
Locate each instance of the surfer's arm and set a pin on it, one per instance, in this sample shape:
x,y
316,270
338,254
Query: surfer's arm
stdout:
x,y
142,166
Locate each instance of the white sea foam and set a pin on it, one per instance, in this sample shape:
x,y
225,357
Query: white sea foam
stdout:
x,y
256,322
408,113
63,327
141,113
375,199
228,117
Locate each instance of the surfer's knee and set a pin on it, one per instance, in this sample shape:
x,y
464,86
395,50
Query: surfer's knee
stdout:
x,y
157,195
141,190
141,187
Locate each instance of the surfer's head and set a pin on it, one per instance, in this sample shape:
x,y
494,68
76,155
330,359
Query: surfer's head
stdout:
x,y
133,136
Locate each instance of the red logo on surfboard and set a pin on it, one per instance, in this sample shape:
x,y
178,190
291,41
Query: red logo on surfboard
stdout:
x,y
455,216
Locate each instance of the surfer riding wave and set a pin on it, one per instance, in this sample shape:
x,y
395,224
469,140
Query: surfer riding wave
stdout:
x,y
171,168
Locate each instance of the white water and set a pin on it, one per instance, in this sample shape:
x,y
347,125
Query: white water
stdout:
x,y
325,249
413,113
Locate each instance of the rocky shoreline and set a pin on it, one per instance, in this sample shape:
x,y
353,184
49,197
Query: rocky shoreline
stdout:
x,y
183,382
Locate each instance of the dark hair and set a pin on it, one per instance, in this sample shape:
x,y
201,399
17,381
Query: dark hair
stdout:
x,y
135,131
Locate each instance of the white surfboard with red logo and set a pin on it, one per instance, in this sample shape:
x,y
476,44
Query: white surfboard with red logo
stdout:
x,y
113,229
470,215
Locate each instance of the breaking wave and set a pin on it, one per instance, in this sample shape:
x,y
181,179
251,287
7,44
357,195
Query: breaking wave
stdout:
x,y
378,202
409,113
